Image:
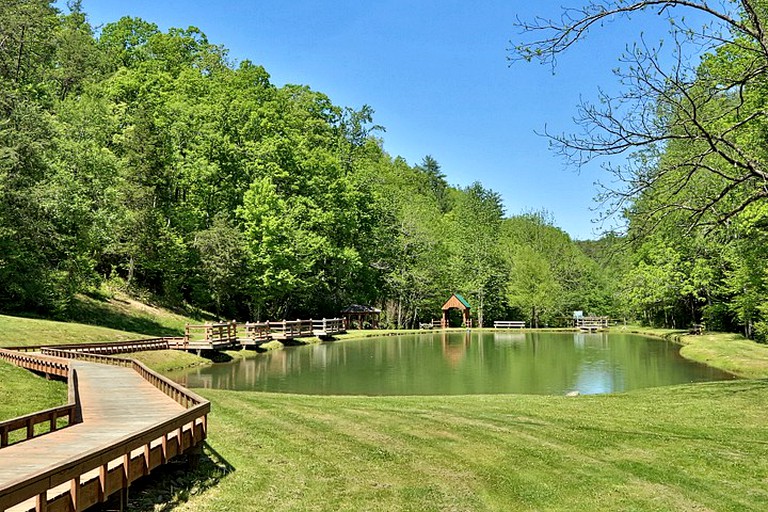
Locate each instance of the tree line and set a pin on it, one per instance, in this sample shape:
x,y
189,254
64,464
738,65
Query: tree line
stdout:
x,y
149,161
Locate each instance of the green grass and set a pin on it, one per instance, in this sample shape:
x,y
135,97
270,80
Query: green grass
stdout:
x,y
22,392
168,360
696,447
730,352
112,318
121,312
18,331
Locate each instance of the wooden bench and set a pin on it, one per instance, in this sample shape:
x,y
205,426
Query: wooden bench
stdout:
x,y
507,324
696,329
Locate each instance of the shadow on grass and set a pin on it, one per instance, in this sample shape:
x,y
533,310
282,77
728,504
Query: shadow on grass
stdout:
x,y
216,356
176,482
101,314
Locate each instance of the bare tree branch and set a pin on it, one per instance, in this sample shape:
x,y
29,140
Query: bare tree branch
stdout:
x,y
690,127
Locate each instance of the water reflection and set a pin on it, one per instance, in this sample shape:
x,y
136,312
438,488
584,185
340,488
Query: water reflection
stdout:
x,y
461,363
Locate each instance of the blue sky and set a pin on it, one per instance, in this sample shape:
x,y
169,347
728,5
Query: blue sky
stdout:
x,y
437,75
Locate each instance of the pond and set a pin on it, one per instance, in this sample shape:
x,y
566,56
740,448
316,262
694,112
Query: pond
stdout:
x,y
455,363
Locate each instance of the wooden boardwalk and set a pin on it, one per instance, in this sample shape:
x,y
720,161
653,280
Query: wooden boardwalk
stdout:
x,y
132,421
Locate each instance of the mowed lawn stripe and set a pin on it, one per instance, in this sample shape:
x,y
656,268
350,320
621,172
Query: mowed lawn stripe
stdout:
x,y
696,447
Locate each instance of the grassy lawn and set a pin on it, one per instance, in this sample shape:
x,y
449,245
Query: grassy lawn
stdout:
x,y
22,392
730,352
110,319
695,447
17,331
122,312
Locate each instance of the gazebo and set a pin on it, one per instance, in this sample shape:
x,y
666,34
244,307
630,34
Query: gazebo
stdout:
x,y
361,313
457,302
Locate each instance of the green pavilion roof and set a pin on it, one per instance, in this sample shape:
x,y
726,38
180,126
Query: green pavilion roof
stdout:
x,y
462,300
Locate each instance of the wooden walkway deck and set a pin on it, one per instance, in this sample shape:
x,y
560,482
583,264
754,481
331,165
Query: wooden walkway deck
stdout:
x,y
133,420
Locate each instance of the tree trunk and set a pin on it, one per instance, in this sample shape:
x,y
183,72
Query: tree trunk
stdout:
x,y
131,266
21,55
480,312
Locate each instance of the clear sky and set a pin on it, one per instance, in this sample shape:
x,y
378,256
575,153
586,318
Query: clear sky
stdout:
x,y
435,72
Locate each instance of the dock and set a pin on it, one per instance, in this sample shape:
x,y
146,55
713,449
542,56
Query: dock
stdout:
x,y
592,323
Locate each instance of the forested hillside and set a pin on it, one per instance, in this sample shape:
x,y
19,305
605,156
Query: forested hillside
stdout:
x,y
148,160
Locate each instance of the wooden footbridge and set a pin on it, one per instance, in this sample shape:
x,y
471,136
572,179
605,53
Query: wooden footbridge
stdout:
x,y
224,335
122,421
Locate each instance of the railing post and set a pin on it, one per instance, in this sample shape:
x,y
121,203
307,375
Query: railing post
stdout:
x,y
126,470
147,453
164,448
41,502
103,472
74,493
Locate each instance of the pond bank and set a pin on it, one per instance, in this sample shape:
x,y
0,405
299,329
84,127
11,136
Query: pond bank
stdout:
x,y
725,351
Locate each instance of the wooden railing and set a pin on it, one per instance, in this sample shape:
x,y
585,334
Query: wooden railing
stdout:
x,y
86,356
35,348
117,464
257,332
328,325
292,328
27,424
224,332
36,363
117,347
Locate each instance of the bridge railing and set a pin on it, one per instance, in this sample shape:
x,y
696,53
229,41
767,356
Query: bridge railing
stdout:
x,y
222,332
292,328
117,347
36,363
329,325
257,332
27,425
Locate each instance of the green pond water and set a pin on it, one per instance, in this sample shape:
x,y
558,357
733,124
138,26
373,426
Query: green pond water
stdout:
x,y
461,363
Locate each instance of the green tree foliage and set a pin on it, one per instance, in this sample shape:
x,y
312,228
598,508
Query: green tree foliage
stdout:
x,y
549,275
146,158
694,194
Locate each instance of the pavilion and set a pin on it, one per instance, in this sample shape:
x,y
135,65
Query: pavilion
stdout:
x,y
361,314
457,302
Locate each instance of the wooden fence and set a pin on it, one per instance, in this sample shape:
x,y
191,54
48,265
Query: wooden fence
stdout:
x,y
256,333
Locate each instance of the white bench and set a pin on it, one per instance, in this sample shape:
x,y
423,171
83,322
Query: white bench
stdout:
x,y
506,324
